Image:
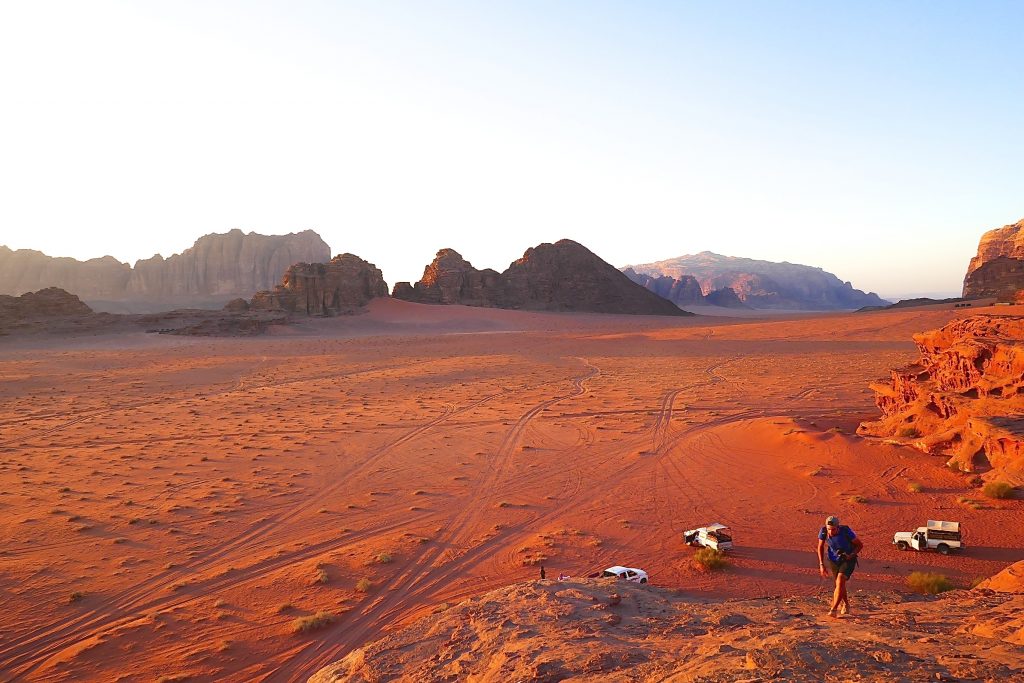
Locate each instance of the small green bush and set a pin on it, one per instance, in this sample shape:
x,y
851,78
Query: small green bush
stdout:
x,y
364,585
76,596
858,499
915,487
997,489
312,622
709,560
929,583
384,558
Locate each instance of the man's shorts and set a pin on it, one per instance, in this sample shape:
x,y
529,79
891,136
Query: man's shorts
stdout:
x,y
845,567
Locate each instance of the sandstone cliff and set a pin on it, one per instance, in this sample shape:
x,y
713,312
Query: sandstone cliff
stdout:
x,y
27,270
564,276
216,269
998,267
603,630
764,284
685,290
341,286
963,399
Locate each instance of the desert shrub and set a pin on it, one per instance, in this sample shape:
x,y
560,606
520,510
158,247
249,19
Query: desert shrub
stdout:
x,y
364,585
975,481
384,558
321,576
929,582
312,622
858,499
709,559
997,489
915,487
76,596
909,433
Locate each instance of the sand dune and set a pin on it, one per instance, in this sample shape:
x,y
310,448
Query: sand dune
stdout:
x,y
171,506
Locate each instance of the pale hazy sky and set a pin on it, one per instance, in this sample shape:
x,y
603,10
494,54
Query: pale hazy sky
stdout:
x,y
876,140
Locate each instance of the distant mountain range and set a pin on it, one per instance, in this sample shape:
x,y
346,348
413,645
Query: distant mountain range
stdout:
x,y
216,269
761,284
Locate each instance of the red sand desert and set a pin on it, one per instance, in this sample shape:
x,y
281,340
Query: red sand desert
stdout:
x,y
171,506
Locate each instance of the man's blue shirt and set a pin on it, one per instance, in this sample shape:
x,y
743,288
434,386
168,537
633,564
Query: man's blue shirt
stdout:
x,y
840,543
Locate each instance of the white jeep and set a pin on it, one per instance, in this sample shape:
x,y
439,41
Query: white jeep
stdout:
x,y
714,536
627,573
937,535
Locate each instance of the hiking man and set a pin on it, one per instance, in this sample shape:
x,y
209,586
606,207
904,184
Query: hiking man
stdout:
x,y
843,546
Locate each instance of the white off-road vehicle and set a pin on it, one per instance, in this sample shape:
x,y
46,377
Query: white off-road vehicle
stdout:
x,y
715,536
937,535
627,573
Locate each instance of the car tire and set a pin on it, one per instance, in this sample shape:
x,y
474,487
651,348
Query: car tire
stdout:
x,y
903,545
643,580
942,548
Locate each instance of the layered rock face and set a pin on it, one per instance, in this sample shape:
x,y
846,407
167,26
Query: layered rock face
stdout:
x,y
998,268
341,286
27,270
216,269
564,276
764,284
51,302
685,290
964,399
234,263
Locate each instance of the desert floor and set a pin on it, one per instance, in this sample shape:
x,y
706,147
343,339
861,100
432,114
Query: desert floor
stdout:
x,y
171,506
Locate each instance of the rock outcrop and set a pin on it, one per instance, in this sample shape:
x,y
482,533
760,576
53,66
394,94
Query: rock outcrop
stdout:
x,y
338,287
602,630
564,276
218,268
1010,580
685,290
964,399
51,302
451,279
764,284
998,268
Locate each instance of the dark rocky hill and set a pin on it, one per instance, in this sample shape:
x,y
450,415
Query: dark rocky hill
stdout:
x,y
564,276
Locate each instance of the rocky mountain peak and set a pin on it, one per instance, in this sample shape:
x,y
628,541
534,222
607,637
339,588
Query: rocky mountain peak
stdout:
x,y
998,267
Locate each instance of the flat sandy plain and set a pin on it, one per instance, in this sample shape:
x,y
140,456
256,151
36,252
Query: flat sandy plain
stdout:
x,y
170,506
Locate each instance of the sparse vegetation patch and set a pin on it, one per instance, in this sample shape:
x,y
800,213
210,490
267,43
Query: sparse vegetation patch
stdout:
x,y
312,622
709,560
998,489
929,583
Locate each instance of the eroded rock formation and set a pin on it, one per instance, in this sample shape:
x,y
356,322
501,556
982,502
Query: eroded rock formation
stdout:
x,y
564,276
51,302
998,268
338,287
216,269
764,284
964,399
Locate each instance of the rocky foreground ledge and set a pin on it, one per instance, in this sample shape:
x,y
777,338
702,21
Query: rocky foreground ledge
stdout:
x,y
604,630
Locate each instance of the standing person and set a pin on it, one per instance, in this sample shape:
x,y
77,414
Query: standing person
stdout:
x,y
842,545
542,574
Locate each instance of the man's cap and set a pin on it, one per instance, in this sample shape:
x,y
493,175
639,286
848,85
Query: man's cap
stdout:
x,y
832,521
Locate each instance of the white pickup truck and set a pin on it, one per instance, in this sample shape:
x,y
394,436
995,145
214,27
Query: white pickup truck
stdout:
x,y
627,573
936,535
711,536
